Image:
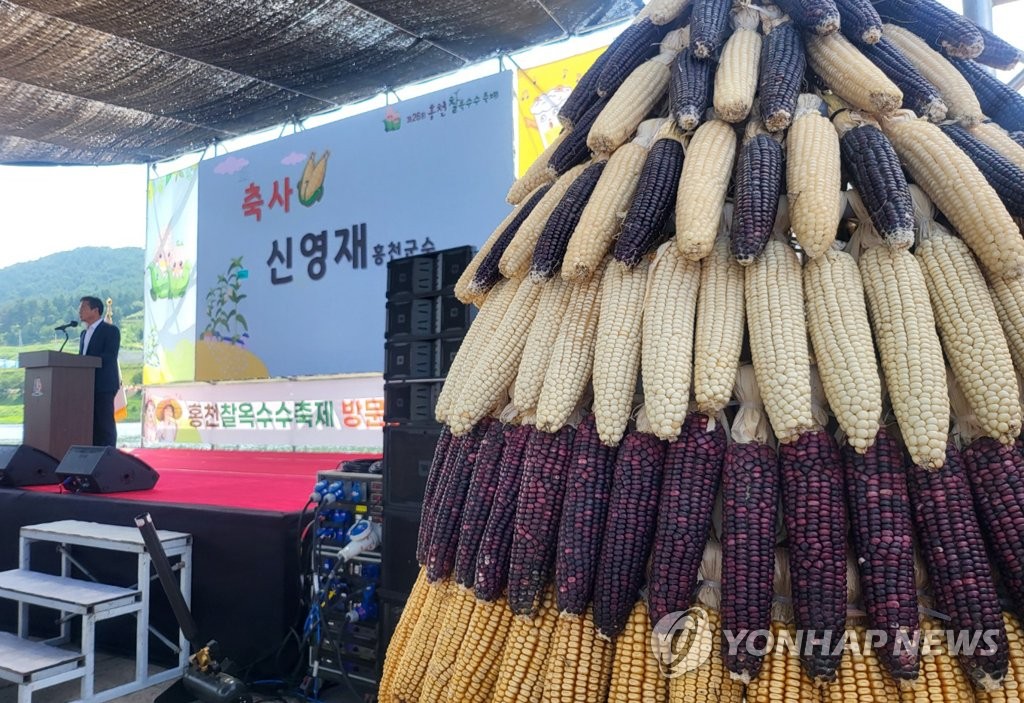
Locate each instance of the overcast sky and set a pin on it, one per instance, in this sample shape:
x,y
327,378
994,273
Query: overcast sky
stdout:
x,y
49,209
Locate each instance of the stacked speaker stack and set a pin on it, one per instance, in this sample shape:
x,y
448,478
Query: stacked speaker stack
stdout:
x,y
425,326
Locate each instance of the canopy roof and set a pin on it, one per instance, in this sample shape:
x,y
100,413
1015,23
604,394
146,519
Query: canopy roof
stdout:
x,y
134,81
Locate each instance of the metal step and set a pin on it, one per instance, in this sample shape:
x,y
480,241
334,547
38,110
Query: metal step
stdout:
x,y
66,594
25,661
101,536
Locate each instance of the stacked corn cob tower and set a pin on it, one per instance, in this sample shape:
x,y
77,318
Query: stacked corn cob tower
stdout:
x,y
718,340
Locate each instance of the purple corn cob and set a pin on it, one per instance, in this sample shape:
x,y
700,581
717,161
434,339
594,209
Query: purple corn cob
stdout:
x,y
445,451
584,95
478,502
883,537
583,517
487,275
1000,102
496,543
950,540
693,470
574,150
629,530
637,43
653,202
709,27
996,475
541,494
815,514
554,239
750,491
444,539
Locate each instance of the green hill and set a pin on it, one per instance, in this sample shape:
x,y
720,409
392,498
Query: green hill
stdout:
x,y
37,295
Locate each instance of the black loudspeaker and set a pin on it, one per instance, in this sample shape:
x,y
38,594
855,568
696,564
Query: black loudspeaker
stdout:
x,y
104,470
22,465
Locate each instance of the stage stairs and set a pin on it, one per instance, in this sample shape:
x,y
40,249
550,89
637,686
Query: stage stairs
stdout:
x,y
35,665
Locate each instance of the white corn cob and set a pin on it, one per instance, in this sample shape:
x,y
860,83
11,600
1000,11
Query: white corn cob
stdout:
x,y
778,339
851,75
813,177
551,310
602,217
495,369
617,349
707,170
960,191
667,343
572,356
736,77
837,318
718,340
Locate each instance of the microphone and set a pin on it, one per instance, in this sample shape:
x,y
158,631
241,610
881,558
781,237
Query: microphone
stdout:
x,y
61,328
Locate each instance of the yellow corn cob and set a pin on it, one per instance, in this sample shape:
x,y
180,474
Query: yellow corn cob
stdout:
x,y
702,186
521,676
1008,296
813,177
572,356
453,630
409,678
736,77
904,327
641,90
956,92
851,75
480,334
837,318
664,11
970,332
536,175
515,262
667,341
997,138
860,674
778,339
1012,690
479,659
579,664
782,679
941,677
1015,636
617,349
710,682
602,218
960,191
718,339
551,310
493,374
400,637
636,677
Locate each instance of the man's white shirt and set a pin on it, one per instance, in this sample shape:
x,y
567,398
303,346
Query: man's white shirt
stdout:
x,y
88,334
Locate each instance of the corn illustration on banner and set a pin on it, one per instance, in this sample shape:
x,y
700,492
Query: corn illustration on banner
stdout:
x,y
170,298
295,234
540,92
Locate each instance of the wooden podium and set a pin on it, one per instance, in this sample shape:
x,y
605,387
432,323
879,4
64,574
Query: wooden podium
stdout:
x,y
58,400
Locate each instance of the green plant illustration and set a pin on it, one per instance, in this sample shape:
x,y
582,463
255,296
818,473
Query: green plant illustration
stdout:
x,y
151,349
225,322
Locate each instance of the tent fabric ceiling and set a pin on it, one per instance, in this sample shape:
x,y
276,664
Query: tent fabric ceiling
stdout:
x,y
135,81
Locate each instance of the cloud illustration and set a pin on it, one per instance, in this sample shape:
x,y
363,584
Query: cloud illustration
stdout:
x,y
293,158
232,164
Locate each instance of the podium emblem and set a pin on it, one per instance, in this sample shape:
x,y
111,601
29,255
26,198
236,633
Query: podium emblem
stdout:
x,y
37,387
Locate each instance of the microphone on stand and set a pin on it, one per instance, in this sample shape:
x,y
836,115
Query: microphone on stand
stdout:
x,y
64,328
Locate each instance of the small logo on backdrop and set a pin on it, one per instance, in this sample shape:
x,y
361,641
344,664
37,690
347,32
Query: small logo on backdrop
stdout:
x,y
392,120
682,641
37,387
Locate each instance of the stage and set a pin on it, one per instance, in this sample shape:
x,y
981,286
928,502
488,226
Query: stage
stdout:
x,y
243,510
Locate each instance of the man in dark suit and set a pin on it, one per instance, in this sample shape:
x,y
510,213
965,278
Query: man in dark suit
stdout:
x,y
103,340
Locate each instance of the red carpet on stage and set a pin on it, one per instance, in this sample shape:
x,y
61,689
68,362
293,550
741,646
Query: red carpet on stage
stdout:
x,y
273,481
